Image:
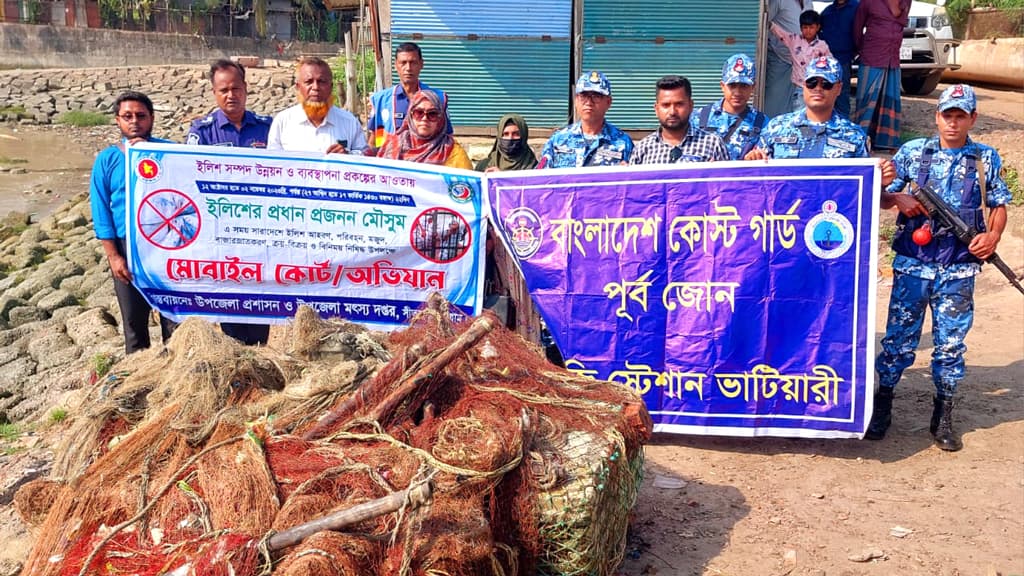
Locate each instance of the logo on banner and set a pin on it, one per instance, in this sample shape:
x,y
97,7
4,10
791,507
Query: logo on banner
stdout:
x,y
828,235
460,192
148,169
522,227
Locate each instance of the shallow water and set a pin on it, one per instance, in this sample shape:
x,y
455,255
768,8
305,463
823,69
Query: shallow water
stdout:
x,y
55,170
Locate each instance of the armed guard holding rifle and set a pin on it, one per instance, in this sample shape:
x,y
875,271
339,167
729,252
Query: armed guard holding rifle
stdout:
x,y
934,268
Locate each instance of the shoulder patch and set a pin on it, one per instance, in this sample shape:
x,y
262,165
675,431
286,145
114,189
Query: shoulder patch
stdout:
x,y
264,119
192,139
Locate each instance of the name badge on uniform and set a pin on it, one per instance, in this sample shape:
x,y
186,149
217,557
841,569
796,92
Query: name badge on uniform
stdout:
x,y
840,144
563,150
789,140
606,154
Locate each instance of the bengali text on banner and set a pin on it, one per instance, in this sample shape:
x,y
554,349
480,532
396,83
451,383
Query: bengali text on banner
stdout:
x,y
737,298
245,235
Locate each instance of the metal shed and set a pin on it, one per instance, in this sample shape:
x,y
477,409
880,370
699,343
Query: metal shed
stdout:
x,y
635,43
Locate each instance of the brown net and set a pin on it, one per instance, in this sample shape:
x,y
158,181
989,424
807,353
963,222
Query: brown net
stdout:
x,y
198,452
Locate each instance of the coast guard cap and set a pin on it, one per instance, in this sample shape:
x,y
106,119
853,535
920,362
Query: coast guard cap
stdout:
x,y
594,81
958,96
825,67
739,69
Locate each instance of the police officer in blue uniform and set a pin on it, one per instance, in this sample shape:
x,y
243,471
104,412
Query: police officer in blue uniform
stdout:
x,y
935,270
737,122
591,141
816,131
232,125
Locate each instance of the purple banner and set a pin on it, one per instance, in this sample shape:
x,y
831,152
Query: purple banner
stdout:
x,y
737,298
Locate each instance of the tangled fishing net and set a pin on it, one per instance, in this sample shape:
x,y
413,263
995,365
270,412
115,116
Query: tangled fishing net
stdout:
x,y
441,449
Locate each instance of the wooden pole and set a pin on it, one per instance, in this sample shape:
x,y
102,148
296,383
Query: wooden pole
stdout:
x,y
416,497
351,97
434,368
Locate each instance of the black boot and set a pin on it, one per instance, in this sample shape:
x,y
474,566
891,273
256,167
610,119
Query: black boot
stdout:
x,y
945,437
936,414
881,417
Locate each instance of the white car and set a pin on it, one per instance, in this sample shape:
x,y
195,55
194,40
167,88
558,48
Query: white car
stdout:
x,y
927,42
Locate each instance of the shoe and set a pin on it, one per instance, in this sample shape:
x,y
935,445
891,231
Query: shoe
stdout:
x,y
945,437
881,417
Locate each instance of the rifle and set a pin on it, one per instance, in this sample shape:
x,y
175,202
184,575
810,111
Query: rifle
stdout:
x,y
939,211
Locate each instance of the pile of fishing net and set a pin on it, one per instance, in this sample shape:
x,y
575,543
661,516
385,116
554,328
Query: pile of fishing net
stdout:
x,y
439,449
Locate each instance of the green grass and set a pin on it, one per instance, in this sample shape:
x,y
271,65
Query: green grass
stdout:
x,y
906,135
58,415
81,118
885,253
101,364
9,432
1012,178
19,109
7,161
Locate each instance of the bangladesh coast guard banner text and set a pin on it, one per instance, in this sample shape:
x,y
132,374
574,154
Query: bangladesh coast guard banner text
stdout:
x,y
737,297
247,235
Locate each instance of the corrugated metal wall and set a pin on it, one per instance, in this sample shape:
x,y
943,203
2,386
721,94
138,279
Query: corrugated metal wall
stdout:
x,y
492,58
635,43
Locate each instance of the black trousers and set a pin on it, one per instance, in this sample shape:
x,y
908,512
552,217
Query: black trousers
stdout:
x,y
249,334
135,313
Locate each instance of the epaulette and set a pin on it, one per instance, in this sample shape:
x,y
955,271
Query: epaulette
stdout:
x,y
264,119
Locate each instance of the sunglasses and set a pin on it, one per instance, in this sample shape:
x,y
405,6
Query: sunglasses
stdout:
x,y
128,116
430,115
812,83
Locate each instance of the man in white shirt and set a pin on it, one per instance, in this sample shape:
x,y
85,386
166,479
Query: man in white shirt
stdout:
x,y
315,124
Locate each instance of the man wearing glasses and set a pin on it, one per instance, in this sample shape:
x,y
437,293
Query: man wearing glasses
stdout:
x,y
315,124
592,141
134,116
678,139
816,131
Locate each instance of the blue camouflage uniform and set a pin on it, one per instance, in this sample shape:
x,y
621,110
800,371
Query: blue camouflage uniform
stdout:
x,y
570,148
941,274
743,138
216,130
739,134
792,135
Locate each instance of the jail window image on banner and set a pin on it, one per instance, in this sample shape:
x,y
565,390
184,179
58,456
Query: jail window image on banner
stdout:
x,y
737,298
248,236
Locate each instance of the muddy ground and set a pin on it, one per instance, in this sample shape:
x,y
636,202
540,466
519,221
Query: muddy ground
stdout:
x,y
774,507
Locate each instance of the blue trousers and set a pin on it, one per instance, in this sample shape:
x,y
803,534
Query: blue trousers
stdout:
x,y
952,305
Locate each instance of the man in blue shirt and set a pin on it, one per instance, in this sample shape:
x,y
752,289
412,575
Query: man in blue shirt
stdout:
x,y
592,141
737,122
388,107
134,115
837,32
232,125
938,271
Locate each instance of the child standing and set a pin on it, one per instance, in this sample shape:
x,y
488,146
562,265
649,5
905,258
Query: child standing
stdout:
x,y
804,48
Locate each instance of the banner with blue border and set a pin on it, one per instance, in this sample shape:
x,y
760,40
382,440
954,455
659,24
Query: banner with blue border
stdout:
x,y
246,235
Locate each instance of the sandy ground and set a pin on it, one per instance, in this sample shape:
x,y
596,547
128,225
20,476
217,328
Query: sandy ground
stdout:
x,y
775,507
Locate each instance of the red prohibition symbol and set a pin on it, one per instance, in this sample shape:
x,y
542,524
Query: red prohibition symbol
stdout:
x,y
169,219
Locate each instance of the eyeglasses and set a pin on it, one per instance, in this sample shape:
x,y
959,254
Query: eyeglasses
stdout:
x,y
812,83
128,116
429,115
675,154
590,96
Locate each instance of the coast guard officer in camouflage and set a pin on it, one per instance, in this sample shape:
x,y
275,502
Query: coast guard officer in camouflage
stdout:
x,y
936,270
816,131
737,122
592,141
232,125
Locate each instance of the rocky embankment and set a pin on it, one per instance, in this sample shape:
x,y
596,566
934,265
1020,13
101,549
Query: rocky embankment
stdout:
x,y
179,93
58,313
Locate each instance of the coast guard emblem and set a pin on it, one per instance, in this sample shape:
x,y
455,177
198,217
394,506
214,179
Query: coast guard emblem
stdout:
x,y
523,230
829,235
